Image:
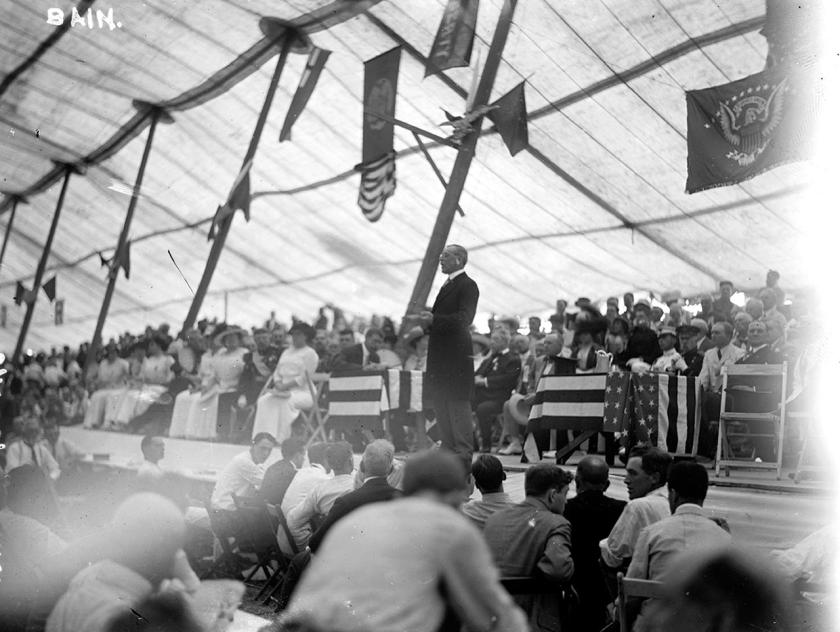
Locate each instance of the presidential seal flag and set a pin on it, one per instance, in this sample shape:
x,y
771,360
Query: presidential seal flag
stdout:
x,y
739,130
379,181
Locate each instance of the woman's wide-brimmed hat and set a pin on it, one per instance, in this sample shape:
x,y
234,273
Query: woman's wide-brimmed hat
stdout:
x,y
219,338
307,330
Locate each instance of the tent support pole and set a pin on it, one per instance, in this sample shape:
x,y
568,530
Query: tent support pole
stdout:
x,y
224,225
157,114
446,214
15,200
42,264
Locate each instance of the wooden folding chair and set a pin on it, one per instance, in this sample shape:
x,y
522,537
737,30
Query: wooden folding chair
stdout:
x,y
316,417
228,556
776,419
641,588
275,582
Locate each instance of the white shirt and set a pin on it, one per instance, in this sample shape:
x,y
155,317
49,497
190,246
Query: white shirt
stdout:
x,y
241,477
318,501
710,374
669,360
304,480
150,471
452,275
637,514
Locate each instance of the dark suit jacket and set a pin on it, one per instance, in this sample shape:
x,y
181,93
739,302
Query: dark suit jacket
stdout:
x,y
373,491
592,516
449,368
694,360
276,481
502,372
352,358
704,345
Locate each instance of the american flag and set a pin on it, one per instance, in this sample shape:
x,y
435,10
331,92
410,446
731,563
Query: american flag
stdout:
x,y
405,390
654,409
357,399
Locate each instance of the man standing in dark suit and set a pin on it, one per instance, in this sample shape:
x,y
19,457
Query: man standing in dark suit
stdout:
x,y
377,463
592,516
495,380
449,367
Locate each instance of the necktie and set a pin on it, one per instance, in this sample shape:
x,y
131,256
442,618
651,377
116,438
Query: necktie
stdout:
x,y
34,455
720,354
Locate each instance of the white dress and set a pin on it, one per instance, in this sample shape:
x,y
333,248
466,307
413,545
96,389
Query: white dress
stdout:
x,y
156,373
204,408
275,413
104,401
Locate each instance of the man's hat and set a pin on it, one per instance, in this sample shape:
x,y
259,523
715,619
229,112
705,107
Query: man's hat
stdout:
x,y
582,301
518,409
691,330
668,331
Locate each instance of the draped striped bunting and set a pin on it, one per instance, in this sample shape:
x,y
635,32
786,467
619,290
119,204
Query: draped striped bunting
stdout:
x,y
357,399
405,390
378,183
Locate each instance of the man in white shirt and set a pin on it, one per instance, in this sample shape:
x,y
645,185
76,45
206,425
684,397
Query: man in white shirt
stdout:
x,y
323,495
153,450
647,474
306,477
242,476
723,354
688,529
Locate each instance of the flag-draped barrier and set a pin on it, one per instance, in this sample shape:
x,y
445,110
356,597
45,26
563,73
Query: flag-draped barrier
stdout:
x,y
358,399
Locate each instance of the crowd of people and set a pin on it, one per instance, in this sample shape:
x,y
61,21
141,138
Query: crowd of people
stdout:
x,y
388,545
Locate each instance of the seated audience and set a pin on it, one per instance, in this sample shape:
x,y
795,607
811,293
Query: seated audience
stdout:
x,y
111,380
689,528
279,476
203,412
307,477
489,478
495,379
741,324
592,515
288,391
320,499
543,549
376,464
647,474
670,361
759,350
30,450
410,559
190,354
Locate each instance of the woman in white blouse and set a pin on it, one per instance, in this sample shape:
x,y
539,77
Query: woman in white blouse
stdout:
x,y
288,390
155,375
111,380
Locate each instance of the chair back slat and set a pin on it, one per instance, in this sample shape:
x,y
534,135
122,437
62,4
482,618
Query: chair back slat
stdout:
x,y
642,588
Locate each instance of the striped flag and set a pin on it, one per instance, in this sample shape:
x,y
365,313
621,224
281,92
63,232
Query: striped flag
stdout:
x,y
379,181
405,390
667,411
357,399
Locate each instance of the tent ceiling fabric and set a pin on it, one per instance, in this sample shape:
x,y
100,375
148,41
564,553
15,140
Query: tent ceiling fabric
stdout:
x,y
596,206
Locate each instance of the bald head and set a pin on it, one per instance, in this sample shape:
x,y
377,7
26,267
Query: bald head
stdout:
x,y
593,473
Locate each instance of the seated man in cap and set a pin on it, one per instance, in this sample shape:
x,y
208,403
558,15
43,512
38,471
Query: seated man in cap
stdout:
x,y
687,336
670,361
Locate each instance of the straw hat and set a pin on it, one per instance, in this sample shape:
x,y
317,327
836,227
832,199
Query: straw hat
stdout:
x,y
519,410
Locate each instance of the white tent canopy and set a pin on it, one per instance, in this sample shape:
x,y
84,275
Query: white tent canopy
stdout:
x,y
595,206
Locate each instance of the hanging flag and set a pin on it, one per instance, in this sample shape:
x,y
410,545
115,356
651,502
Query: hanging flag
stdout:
x,y
314,65
239,198
739,130
59,312
454,40
378,183
511,119
49,289
380,92
19,293
667,411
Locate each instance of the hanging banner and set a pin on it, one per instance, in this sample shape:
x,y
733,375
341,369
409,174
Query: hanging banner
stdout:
x,y
379,180
739,130
511,119
49,289
453,43
314,65
238,198
380,98
59,312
